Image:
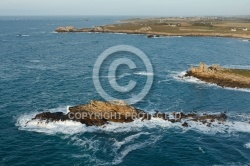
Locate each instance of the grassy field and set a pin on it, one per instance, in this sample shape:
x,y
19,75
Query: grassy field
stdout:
x,y
186,25
240,72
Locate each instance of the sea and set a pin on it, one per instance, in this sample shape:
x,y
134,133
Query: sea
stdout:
x,y
45,71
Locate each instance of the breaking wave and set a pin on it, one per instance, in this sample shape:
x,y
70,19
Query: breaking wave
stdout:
x,y
245,40
143,73
247,145
117,148
135,135
25,122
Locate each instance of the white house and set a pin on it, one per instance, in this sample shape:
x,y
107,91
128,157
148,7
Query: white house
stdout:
x,y
233,30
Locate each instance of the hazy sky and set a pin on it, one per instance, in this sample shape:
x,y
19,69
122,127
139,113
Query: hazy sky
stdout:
x,y
125,7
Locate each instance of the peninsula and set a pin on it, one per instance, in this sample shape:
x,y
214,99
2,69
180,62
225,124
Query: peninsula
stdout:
x,y
236,27
224,77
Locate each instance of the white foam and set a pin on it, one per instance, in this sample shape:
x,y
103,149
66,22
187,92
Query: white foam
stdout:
x,y
166,80
120,148
88,143
247,145
172,36
226,127
119,157
120,33
123,75
68,109
25,122
238,89
94,32
200,149
24,35
179,76
245,40
144,73
65,127
128,139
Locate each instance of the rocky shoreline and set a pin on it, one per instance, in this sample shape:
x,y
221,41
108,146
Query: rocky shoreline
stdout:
x,y
99,113
149,33
224,77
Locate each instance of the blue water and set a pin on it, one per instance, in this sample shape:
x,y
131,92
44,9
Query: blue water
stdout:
x,y
45,71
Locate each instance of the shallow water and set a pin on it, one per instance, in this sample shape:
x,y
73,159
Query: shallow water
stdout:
x,y
45,71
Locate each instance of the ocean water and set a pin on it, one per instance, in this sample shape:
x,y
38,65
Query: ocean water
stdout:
x,y
41,70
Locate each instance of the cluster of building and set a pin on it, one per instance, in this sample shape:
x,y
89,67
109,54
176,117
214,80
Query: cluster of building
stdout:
x,y
234,29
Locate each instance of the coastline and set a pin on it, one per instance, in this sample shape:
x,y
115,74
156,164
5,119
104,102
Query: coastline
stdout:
x,y
174,26
159,34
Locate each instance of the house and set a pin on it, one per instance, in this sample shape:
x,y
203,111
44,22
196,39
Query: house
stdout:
x,y
244,29
233,30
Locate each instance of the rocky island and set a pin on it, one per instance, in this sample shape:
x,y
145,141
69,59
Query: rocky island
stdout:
x,y
224,77
99,113
236,27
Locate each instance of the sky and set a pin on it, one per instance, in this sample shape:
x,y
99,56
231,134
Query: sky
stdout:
x,y
125,7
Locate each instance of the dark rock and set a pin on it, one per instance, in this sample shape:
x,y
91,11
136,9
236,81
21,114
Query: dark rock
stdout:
x,y
146,117
178,115
175,120
98,113
185,124
57,116
150,36
204,121
93,122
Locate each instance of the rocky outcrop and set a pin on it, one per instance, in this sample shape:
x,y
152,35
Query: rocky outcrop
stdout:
x,y
150,36
117,111
234,78
153,36
56,116
66,29
99,113
144,29
98,29
73,29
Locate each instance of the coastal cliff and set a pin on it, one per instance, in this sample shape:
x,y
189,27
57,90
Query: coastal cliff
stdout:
x,y
224,77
